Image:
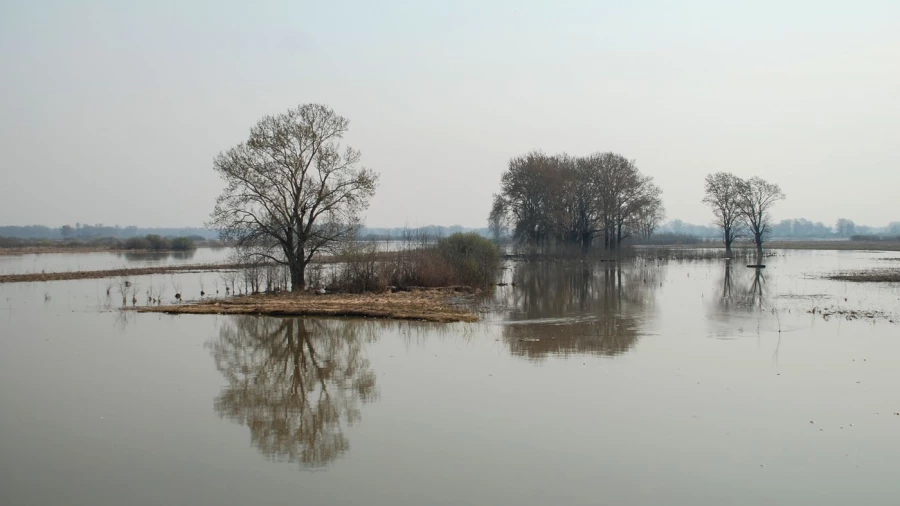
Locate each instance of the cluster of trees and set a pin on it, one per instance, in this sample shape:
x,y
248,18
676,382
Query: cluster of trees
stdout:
x,y
741,206
559,199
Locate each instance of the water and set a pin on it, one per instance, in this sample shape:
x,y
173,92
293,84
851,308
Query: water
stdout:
x,y
648,382
104,260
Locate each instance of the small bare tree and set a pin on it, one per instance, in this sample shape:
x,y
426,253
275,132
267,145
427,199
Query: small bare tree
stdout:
x,y
723,195
292,189
757,196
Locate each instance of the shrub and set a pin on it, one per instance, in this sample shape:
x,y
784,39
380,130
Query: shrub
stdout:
x,y
358,270
473,259
136,243
461,259
183,244
155,242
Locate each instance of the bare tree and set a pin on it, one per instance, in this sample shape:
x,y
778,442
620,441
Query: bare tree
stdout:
x,y
723,195
496,218
649,216
757,196
292,189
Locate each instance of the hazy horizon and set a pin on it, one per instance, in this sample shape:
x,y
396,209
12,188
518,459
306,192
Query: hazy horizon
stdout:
x,y
113,113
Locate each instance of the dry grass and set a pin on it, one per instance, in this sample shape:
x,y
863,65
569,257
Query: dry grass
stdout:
x,y
434,305
114,273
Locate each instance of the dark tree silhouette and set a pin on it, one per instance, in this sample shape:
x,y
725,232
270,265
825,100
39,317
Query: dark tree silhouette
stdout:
x,y
723,195
757,197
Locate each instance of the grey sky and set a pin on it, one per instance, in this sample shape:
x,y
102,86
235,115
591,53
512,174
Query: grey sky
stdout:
x,y
113,111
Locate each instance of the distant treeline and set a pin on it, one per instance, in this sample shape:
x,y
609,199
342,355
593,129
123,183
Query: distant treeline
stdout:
x,y
151,242
796,229
402,233
84,231
791,228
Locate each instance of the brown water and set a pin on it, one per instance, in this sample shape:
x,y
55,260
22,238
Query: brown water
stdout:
x,y
646,382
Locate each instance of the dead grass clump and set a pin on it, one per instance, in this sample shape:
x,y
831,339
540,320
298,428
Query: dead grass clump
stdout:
x,y
435,305
461,259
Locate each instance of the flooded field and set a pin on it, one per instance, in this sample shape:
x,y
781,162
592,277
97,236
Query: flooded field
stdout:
x,y
652,381
104,260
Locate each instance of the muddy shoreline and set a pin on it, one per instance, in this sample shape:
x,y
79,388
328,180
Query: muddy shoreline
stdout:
x,y
442,305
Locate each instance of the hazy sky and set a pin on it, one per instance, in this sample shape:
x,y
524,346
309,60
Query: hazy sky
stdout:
x,y
112,112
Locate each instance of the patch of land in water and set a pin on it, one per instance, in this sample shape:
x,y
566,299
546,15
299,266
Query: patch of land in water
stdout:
x,y
433,305
115,273
872,276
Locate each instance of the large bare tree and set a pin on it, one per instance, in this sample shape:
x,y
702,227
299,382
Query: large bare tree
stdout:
x,y
723,195
292,189
757,198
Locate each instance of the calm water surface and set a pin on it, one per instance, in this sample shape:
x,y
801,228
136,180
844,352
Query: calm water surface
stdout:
x,y
645,382
101,260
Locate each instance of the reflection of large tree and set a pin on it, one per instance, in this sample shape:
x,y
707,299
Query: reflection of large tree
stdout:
x,y
745,290
294,382
578,307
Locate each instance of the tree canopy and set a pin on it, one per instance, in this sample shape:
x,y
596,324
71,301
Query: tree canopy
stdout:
x,y
566,200
292,189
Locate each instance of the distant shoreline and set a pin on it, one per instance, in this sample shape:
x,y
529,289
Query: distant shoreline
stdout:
x,y
823,245
41,250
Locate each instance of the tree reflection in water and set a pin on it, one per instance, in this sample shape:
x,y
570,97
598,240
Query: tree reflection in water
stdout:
x,y
746,291
295,383
579,307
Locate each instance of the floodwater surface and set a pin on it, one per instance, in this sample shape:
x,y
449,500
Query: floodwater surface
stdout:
x,y
651,381
105,260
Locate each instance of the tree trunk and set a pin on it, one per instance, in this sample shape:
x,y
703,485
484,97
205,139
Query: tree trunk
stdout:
x,y
298,275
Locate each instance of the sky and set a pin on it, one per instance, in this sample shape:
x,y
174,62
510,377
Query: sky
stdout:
x,y
112,112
